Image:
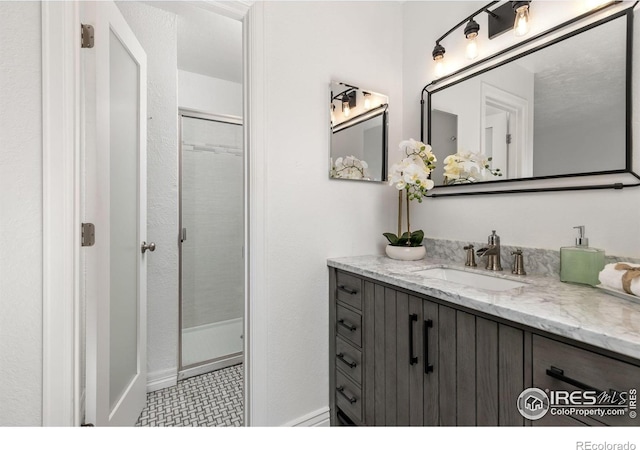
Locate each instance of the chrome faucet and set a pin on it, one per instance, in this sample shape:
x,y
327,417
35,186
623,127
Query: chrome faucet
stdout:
x,y
492,252
471,257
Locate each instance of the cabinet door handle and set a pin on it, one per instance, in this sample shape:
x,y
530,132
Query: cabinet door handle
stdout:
x,y
340,390
348,290
412,358
428,367
341,357
558,374
347,325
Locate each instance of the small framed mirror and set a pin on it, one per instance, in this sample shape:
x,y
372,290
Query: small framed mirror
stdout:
x,y
359,130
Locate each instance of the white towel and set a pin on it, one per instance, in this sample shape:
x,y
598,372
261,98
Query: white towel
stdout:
x,y
612,278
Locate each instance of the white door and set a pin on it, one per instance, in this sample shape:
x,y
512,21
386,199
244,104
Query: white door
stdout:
x,y
114,199
495,145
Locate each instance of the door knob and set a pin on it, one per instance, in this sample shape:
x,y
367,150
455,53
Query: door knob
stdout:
x,y
151,246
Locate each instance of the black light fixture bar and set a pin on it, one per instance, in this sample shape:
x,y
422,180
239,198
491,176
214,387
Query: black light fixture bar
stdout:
x,y
501,20
485,8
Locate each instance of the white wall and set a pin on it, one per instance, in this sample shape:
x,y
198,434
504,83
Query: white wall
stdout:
x,y
541,220
308,216
20,215
156,30
208,94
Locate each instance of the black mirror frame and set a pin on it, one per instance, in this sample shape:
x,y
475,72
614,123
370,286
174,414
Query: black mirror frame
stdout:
x,y
485,188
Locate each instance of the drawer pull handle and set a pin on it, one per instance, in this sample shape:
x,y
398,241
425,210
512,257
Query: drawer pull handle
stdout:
x,y
348,290
347,325
428,367
351,400
341,357
558,374
412,358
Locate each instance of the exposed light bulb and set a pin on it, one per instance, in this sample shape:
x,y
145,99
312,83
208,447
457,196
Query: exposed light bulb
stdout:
x,y
438,56
521,25
439,67
472,48
471,33
593,4
367,101
346,108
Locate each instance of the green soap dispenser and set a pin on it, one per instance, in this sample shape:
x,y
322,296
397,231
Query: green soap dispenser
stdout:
x,y
581,263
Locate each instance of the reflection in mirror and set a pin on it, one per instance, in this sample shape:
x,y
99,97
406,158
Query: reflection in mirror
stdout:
x,y
359,120
557,111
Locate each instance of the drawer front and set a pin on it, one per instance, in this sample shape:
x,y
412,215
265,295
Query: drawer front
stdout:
x,y
575,369
349,289
348,397
349,325
349,360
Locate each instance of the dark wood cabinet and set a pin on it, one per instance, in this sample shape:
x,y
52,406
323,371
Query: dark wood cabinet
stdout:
x,y
403,359
400,359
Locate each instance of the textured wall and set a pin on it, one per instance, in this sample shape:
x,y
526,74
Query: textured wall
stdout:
x,y
156,30
20,215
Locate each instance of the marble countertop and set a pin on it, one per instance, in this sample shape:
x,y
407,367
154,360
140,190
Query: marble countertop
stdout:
x,y
584,313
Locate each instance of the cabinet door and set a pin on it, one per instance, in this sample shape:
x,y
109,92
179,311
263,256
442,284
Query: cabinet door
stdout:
x,y
398,392
481,370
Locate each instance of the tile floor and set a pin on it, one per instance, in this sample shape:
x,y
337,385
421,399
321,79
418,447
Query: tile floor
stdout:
x,y
210,400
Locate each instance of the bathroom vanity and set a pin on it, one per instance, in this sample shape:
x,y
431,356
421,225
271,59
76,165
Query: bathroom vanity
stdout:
x,y
408,347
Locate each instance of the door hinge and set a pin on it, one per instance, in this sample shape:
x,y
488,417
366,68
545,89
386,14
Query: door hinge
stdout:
x,y
88,234
508,138
86,36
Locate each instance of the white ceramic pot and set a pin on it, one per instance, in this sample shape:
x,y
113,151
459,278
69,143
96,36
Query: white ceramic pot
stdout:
x,y
406,253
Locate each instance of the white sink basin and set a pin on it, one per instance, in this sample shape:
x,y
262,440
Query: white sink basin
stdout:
x,y
472,279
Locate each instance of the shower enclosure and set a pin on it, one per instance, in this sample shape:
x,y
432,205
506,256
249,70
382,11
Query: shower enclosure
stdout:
x,y
211,242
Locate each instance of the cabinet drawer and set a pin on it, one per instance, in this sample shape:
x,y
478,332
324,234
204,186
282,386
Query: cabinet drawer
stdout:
x,y
349,325
348,397
349,289
576,369
349,360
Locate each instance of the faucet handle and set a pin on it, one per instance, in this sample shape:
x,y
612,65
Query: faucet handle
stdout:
x,y
518,263
471,257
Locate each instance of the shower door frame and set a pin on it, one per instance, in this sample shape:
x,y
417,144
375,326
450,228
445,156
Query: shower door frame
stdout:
x,y
234,358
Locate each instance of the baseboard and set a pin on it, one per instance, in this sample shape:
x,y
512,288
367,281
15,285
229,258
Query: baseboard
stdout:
x,y
319,418
162,379
221,363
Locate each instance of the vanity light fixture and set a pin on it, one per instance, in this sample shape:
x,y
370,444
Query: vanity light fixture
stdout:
x,y
510,16
346,109
367,100
471,33
438,56
521,24
347,98
499,20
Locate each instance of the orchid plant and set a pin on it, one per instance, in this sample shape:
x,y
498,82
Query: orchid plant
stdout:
x,y
350,168
467,167
411,176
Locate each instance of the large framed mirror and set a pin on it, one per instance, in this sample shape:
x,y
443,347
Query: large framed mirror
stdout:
x,y
557,115
359,130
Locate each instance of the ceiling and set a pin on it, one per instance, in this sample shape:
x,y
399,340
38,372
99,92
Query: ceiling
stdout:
x,y
208,43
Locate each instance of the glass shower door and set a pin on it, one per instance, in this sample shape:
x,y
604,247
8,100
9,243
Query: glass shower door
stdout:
x,y
211,256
